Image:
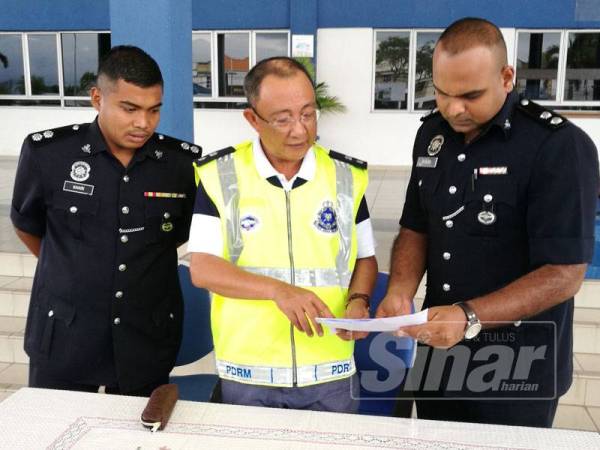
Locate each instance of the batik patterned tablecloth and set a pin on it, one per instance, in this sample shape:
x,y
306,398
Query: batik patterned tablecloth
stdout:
x,y
40,418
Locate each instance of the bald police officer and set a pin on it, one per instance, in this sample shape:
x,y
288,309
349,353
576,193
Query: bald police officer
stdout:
x,y
103,206
500,213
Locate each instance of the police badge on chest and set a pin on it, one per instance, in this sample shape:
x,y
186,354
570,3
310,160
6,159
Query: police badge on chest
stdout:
x,y
326,220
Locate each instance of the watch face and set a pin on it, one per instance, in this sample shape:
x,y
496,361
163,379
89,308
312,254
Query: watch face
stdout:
x,y
472,330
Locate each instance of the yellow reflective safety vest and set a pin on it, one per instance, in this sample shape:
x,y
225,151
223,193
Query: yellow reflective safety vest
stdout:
x,y
305,237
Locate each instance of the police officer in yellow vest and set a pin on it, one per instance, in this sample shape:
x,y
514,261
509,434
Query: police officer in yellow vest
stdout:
x,y
281,235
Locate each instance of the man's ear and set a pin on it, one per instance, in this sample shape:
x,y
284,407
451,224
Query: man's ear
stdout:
x,y
508,76
250,116
96,97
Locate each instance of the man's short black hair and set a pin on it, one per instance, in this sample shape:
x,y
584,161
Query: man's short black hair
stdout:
x,y
280,66
469,32
130,64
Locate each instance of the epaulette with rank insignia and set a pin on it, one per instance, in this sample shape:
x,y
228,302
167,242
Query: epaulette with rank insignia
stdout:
x,y
214,155
431,114
171,142
348,159
41,138
546,117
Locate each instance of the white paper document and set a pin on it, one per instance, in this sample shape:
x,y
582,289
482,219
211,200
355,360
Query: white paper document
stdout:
x,y
384,324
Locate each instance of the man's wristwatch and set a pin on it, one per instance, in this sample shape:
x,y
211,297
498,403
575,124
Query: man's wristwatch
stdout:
x,y
473,324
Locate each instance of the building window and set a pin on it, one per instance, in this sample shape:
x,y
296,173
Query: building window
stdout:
x,y
424,90
403,77
391,69
43,64
81,53
49,68
582,77
537,65
12,79
233,50
559,68
221,60
201,64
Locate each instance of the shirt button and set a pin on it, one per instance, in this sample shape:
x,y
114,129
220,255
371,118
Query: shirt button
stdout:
x,y
488,198
122,267
125,210
50,313
124,238
126,178
119,294
452,190
461,157
420,182
117,321
73,209
171,315
446,256
449,224
446,287
166,215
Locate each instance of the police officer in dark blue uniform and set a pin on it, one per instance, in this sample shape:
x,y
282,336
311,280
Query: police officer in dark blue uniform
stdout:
x,y
500,213
104,206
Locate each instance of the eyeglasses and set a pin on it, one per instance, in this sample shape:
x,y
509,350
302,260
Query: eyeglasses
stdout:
x,y
285,121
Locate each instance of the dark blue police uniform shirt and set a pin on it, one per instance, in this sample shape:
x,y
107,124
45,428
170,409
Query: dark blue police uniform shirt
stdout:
x,y
106,305
521,195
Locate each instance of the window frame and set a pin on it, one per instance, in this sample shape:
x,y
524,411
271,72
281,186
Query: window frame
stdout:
x,y
214,67
559,100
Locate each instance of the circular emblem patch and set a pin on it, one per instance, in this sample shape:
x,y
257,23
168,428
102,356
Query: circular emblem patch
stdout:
x,y
248,222
326,220
435,145
80,171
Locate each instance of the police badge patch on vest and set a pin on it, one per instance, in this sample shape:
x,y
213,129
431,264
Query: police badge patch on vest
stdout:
x,y
249,222
326,220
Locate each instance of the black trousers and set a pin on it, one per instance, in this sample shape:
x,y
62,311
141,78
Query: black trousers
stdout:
x,y
528,413
41,378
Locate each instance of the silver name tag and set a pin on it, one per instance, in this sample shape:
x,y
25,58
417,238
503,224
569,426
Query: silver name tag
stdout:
x,y
78,188
427,161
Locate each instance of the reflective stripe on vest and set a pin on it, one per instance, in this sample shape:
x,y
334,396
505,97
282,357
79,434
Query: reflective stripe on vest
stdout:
x,y
302,277
282,376
344,217
231,201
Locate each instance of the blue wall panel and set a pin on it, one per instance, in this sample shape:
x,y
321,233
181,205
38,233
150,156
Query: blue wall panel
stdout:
x,y
165,32
24,15
440,13
40,15
240,14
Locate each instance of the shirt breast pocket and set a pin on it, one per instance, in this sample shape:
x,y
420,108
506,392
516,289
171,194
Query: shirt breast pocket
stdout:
x,y
428,181
74,211
490,207
162,217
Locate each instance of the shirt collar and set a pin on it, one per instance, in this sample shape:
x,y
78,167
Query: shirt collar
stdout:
x,y
503,120
267,171
94,143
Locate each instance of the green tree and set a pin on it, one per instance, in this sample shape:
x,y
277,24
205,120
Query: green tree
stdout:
x,y
394,52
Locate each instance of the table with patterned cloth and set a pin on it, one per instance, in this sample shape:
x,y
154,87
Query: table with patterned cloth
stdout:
x,y
41,418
